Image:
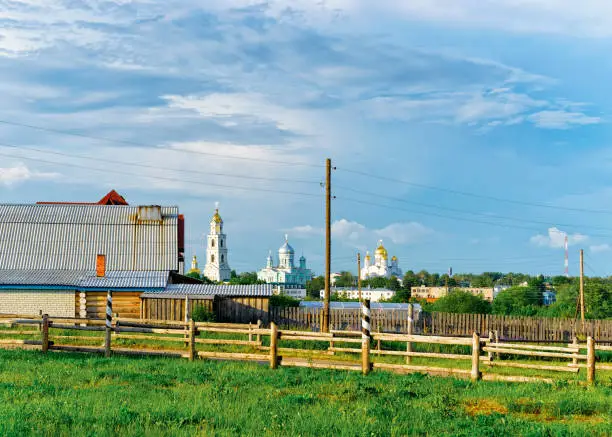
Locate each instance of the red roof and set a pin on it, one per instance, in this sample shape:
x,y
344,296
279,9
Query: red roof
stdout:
x,y
112,198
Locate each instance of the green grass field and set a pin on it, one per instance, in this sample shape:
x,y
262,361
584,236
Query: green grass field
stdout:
x,y
80,394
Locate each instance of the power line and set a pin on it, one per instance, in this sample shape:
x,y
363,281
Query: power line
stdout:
x,y
134,164
209,184
149,146
480,196
398,199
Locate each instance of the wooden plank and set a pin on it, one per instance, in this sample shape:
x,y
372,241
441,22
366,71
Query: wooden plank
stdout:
x,y
533,366
569,349
533,353
234,356
422,339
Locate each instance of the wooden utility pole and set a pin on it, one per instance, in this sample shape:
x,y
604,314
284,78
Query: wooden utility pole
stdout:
x,y
359,275
582,287
325,327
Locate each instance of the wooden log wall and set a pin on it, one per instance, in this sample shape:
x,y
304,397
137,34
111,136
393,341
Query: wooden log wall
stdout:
x,y
242,309
125,304
170,308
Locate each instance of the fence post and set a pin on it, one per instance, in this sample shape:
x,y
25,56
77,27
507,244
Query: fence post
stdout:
x,y
40,314
192,343
575,343
109,321
273,345
490,354
250,332
365,336
45,332
475,375
497,341
590,360
378,345
409,344
258,336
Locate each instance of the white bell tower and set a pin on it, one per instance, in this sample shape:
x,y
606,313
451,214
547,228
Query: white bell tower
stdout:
x,y
217,266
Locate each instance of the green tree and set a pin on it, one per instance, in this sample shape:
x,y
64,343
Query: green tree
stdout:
x,y
401,296
283,301
314,287
246,278
194,275
376,282
410,280
346,279
461,302
393,283
518,301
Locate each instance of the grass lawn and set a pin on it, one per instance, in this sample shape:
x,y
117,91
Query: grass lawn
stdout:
x,y
79,394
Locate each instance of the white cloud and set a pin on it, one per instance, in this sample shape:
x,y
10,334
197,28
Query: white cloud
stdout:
x,y
598,248
404,233
250,106
21,173
357,235
560,119
556,239
591,18
491,108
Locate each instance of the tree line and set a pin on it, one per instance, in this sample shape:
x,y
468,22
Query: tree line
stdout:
x,y
524,297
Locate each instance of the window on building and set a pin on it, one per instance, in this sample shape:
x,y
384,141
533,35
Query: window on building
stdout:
x,y
222,258
221,243
212,258
212,243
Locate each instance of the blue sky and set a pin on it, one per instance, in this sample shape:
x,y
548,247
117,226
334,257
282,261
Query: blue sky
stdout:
x,y
487,101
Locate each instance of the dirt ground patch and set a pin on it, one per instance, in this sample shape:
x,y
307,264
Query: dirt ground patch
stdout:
x,y
484,406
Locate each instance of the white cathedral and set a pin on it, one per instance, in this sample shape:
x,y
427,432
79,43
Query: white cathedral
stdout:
x,y
381,266
217,267
286,274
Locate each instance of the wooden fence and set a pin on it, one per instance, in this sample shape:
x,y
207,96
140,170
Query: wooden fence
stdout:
x,y
285,347
508,328
515,328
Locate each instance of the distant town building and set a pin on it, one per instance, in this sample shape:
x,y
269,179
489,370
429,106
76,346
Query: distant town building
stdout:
x,y
381,267
498,289
217,267
549,297
285,273
431,294
296,293
374,294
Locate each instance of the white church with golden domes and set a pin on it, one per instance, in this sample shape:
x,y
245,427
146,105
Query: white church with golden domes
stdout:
x,y
381,266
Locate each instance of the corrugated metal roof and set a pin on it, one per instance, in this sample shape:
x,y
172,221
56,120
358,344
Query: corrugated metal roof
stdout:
x,y
47,237
80,279
120,279
40,277
258,290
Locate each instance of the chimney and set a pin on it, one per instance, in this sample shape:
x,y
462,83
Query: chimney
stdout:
x,y
101,266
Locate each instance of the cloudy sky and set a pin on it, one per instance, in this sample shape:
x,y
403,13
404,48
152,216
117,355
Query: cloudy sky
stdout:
x,y
465,133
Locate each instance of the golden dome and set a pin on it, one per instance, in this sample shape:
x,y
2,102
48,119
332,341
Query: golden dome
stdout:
x,y
381,251
217,218
394,258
